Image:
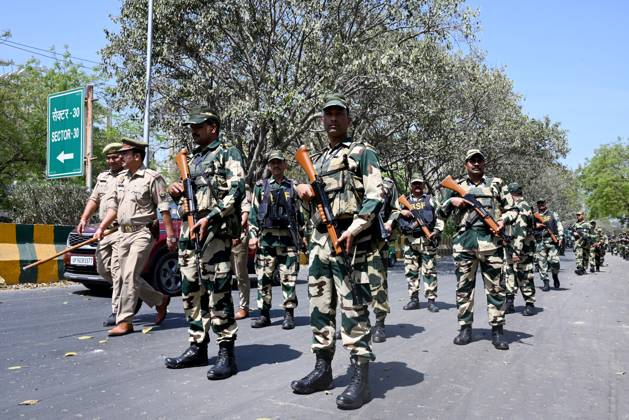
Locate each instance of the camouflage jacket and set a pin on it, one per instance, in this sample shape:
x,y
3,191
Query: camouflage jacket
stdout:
x,y
551,219
521,230
419,203
582,234
472,233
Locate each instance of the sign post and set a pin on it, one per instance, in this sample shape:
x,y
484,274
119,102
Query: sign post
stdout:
x,y
66,134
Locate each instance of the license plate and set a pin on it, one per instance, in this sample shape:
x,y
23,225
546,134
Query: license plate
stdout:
x,y
80,260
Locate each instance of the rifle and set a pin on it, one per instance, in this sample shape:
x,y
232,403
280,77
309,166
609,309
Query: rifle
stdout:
x,y
325,212
189,203
293,226
540,219
418,218
71,248
451,184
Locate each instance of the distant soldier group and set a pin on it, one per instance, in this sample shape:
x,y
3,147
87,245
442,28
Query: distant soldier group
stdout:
x,y
351,211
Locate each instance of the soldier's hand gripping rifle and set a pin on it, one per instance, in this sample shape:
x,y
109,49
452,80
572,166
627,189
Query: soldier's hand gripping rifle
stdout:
x,y
451,184
418,218
189,203
540,219
69,249
325,213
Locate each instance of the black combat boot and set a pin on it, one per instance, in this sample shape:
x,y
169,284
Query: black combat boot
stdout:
x,y
579,271
529,309
320,379
195,355
546,287
497,338
431,306
556,284
225,364
377,332
591,269
357,392
598,267
465,335
289,319
110,321
509,307
263,321
413,303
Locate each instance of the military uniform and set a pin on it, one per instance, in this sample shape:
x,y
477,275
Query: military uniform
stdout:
x,y
597,251
474,245
582,234
522,244
275,212
420,253
547,252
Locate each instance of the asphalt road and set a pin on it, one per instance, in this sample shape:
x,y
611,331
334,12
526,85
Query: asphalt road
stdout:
x,y
568,361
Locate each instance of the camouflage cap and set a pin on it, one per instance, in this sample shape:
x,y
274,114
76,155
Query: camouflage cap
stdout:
x,y
200,115
132,144
417,178
579,212
515,188
275,154
592,222
335,99
112,148
473,152
540,200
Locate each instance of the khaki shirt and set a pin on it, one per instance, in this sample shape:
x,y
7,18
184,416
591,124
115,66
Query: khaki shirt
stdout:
x,y
105,182
138,196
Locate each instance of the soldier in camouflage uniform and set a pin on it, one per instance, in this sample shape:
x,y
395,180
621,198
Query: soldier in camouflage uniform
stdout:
x,y
218,178
597,249
353,184
107,263
420,253
519,254
547,252
274,225
582,234
387,217
474,245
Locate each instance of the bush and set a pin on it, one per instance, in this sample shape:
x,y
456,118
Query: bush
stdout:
x,y
55,202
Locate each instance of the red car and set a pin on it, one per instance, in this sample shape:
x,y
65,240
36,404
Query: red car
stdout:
x,y
161,270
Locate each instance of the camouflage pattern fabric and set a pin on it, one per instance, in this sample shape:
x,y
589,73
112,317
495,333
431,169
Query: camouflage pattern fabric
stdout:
x,y
547,252
420,257
597,251
582,233
520,275
377,272
286,260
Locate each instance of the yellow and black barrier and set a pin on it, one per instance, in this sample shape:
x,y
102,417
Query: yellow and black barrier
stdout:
x,y
21,245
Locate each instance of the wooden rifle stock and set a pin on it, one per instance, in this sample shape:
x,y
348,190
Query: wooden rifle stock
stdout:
x,y
181,159
71,248
540,219
303,159
404,201
451,184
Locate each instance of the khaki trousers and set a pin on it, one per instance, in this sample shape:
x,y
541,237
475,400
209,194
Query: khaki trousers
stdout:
x,y
239,266
108,266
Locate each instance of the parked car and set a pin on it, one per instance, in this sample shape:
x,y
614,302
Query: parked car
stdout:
x,y
161,270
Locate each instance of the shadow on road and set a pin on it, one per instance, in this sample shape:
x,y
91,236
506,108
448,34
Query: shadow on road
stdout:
x,y
104,293
519,309
510,336
403,330
444,306
173,320
253,355
384,377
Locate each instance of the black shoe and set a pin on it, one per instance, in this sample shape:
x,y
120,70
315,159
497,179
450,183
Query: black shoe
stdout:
x,y
598,268
529,310
337,334
556,281
289,320
431,306
377,332
546,286
357,392
261,322
110,321
195,355
497,338
225,365
509,308
320,379
591,269
465,335
413,303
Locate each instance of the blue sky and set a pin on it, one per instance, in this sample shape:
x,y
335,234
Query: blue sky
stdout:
x,y
568,59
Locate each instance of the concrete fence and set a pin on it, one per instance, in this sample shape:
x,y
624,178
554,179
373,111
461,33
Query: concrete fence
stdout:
x,y
21,245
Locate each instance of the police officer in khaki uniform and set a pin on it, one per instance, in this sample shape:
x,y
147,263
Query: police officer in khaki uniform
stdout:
x,y
140,193
239,260
106,251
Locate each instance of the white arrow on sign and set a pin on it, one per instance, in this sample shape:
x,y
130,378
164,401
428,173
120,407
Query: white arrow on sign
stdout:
x,y
65,156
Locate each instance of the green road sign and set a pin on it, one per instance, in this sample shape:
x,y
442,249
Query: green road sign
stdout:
x,y
66,131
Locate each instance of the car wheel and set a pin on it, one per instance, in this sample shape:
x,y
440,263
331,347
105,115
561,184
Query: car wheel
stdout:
x,y
166,274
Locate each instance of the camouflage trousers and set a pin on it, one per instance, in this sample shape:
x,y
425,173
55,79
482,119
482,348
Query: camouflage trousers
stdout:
x,y
286,260
418,258
520,275
547,257
377,269
490,262
108,266
207,301
581,256
329,284
596,258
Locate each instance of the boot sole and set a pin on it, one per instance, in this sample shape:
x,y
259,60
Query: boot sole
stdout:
x,y
300,392
186,365
222,377
354,407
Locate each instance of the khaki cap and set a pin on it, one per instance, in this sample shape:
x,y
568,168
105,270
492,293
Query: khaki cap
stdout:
x,y
112,148
275,154
132,144
473,152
